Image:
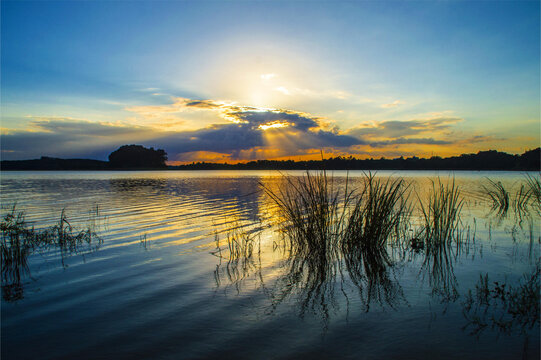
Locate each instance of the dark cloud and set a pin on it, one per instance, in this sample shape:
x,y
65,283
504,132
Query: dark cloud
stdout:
x,y
401,141
250,133
232,138
69,138
257,118
204,104
218,138
398,129
82,128
78,138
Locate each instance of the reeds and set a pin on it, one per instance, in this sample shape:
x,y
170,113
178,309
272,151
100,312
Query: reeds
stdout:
x,y
326,225
442,213
19,241
317,215
521,201
15,246
241,244
311,210
499,196
240,240
378,212
534,188
441,237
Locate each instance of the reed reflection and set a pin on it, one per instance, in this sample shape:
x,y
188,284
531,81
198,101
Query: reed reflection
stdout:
x,y
334,239
507,307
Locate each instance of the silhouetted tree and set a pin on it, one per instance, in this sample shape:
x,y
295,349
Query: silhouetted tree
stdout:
x,y
137,157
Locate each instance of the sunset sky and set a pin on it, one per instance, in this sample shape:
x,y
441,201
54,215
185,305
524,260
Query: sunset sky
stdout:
x,y
241,80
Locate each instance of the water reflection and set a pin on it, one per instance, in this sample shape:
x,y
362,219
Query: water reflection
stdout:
x,y
371,270
507,307
257,269
244,191
322,258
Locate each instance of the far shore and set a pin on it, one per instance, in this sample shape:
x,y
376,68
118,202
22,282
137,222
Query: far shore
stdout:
x,y
491,160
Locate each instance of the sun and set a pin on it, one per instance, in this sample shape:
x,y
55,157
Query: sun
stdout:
x,y
274,125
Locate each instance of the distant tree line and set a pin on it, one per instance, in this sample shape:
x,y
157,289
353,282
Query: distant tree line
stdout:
x,y
127,157
137,157
483,160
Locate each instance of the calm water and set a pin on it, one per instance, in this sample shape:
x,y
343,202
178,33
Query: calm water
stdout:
x,y
156,286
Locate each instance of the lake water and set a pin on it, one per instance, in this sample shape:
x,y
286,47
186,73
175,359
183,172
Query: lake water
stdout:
x,y
155,284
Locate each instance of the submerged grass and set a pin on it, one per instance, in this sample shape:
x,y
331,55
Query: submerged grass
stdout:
x,y
327,226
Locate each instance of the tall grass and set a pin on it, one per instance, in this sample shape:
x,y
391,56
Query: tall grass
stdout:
x,y
19,240
241,253
317,214
521,201
441,236
15,247
499,196
441,214
311,210
534,188
325,224
377,213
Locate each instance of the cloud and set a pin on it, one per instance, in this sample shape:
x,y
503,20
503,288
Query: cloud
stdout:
x,y
203,104
233,132
300,132
246,129
267,76
70,138
283,90
393,104
402,141
397,129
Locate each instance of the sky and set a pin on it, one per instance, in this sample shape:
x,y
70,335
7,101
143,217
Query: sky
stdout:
x,y
244,80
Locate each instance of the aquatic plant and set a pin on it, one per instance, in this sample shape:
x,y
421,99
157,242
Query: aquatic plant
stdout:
x,y
499,196
520,203
144,241
326,226
378,212
19,241
14,248
242,239
311,210
442,237
442,213
534,187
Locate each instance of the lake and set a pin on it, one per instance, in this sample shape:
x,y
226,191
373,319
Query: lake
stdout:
x,y
196,264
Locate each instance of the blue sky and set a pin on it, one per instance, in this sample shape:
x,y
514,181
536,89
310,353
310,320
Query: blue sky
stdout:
x,y
457,76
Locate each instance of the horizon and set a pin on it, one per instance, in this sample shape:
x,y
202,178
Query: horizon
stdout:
x,y
320,158
240,81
